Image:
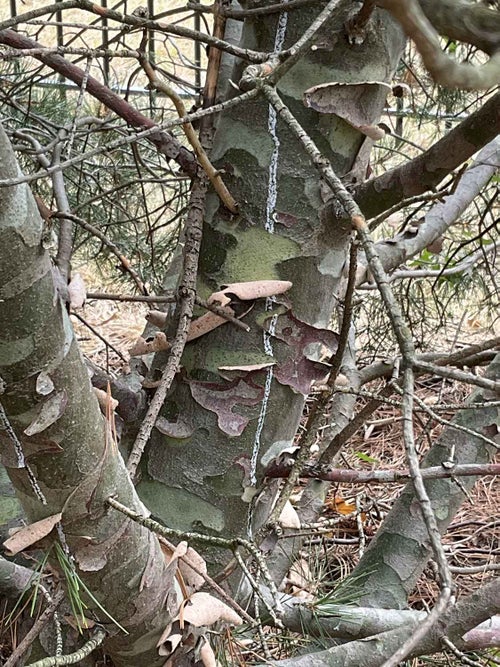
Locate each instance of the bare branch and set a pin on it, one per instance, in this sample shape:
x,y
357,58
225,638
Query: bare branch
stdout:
x,y
469,22
428,169
212,173
395,251
187,293
443,69
345,476
165,143
89,646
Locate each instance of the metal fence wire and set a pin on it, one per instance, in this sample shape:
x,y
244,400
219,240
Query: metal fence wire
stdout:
x,y
111,37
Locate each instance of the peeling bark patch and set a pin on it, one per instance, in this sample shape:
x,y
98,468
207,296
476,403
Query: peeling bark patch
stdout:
x,y
180,429
297,370
222,398
50,411
29,535
286,219
32,446
353,102
92,556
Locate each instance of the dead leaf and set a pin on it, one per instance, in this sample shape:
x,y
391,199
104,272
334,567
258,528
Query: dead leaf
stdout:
x,y
28,535
289,517
207,655
77,291
44,385
49,412
157,318
104,400
142,346
247,291
251,290
300,581
180,550
168,644
82,623
207,322
203,609
192,579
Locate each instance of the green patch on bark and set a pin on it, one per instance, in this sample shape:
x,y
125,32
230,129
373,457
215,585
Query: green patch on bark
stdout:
x,y
242,136
180,509
257,255
226,485
215,358
10,507
13,351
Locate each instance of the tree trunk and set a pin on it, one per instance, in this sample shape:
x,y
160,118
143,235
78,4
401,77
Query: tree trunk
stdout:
x,y
206,479
59,459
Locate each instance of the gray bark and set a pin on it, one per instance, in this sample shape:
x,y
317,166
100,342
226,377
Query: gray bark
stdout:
x,y
466,620
440,217
199,481
395,559
75,470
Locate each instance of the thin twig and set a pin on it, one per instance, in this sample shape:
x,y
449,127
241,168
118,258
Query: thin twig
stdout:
x,y
222,312
154,134
170,298
173,29
446,581
453,425
210,582
303,44
95,231
461,376
225,543
73,658
100,336
255,11
164,142
309,433
139,298
343,476
18,448
35,630
187,293
212,173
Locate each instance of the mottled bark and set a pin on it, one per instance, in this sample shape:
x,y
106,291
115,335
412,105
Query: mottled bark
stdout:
x,y
206,480
74,466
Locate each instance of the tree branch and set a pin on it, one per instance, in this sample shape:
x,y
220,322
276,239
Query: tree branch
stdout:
x,y
469,22
443,69
166,144
428,169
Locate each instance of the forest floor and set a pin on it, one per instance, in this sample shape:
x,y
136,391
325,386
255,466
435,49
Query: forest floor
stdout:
x,y
473,538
